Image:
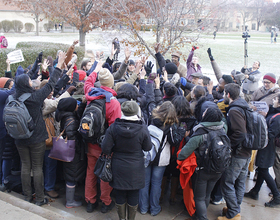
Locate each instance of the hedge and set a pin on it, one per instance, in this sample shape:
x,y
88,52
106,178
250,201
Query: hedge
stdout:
x,y
29,27
7,25
17,25
31,50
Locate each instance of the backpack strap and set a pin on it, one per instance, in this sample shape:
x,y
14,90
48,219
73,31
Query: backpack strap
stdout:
x,y
24,96
274,116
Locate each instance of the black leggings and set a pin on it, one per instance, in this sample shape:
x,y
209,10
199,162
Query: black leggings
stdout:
x,y
263,175
129,196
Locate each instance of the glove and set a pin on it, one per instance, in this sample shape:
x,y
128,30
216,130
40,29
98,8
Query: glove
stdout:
x,y
39,58
210,54
194,48
183,81
152,77
71,89
148,67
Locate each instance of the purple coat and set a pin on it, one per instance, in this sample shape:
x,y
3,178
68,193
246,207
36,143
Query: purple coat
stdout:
x,y
190,67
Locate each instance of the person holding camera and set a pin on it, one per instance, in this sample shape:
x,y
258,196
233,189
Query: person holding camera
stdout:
x,y
251,81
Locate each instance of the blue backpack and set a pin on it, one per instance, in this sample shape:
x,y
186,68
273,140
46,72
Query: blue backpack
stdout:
x,y
18,122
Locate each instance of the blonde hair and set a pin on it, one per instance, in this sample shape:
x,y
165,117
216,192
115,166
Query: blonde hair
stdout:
x,y
166,113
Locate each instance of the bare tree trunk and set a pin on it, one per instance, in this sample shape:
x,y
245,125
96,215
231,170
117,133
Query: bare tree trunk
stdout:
x,y
37,25
82,37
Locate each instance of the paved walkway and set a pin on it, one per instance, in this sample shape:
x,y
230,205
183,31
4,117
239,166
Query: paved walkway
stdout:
x,y
13,207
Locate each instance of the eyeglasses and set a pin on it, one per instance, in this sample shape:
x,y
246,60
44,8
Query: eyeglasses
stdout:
x,y
266,82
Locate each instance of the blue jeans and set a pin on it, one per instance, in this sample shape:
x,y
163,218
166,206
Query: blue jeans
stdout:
x,y
2,148
49,172
233,184
6,168
147,198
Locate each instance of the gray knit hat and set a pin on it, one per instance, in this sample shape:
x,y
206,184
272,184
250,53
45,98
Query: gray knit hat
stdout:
x,y
130,108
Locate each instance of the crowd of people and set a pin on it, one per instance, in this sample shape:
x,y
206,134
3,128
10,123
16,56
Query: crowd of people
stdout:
x,y
177,100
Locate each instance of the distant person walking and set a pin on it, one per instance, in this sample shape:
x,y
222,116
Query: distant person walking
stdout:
x,y
214,34
275,35
271,35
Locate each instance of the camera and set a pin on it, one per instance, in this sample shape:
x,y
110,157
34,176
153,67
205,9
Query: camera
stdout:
x,y
245,35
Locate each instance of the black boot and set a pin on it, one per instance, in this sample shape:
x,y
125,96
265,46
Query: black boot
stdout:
x,y
121,211
131,212
252,194
273,202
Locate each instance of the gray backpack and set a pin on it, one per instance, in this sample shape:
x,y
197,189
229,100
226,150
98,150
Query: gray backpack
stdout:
x,y
18,122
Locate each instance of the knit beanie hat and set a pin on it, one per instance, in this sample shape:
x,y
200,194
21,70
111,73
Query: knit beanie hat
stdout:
x,y
82,74
106,78
271,77
67,104
171,68
3,81
227,78
130,108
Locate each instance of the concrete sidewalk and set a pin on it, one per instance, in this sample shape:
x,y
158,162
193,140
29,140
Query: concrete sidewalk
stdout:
x,y
13,207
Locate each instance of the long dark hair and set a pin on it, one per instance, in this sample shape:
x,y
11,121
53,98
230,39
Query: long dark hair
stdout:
x,y
128,91
182,106
22,85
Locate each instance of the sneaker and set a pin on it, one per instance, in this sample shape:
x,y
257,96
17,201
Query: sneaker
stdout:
x,y
107,208
237,217
273,202
2,188
222,201
45,201
251,194
91,206
53,194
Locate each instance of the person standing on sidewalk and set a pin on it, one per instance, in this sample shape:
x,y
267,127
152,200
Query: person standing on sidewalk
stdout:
x,y
234,177
113,111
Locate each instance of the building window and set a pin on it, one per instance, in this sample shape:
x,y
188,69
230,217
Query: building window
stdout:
x,y
254,26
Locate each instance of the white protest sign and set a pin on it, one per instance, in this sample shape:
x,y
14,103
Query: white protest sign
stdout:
x,y
15,56
261,106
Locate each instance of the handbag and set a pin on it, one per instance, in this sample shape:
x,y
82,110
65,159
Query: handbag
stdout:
x,y
49,121
63,149
103,169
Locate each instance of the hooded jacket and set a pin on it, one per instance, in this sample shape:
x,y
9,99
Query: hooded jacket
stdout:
x,y
126,139
34,105
113,107
237,128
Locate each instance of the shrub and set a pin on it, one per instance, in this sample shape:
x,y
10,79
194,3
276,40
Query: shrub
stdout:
x,y
48,26
7,25
28,27
0,25
17,25
31,50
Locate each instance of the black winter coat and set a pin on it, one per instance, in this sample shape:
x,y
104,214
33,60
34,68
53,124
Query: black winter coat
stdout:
x,y
10,149
265,157
126,139
74,171
34,105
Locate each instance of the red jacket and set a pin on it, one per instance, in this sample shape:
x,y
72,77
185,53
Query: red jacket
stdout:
x,y
113,108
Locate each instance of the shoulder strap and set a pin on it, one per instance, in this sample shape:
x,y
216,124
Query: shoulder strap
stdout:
x,y
24,96
264,96
274,116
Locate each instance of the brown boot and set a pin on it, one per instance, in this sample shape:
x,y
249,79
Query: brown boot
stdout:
x,y
53,194
224,212
237,217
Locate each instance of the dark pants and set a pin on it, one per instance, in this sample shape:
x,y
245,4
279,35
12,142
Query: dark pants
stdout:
x,y
129,196
263,175
2,148
203,187
216,194
32,157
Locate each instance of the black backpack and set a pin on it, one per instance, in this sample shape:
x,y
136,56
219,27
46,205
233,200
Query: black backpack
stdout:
x,y
93,123
215,152
18,122
257,135
13,183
